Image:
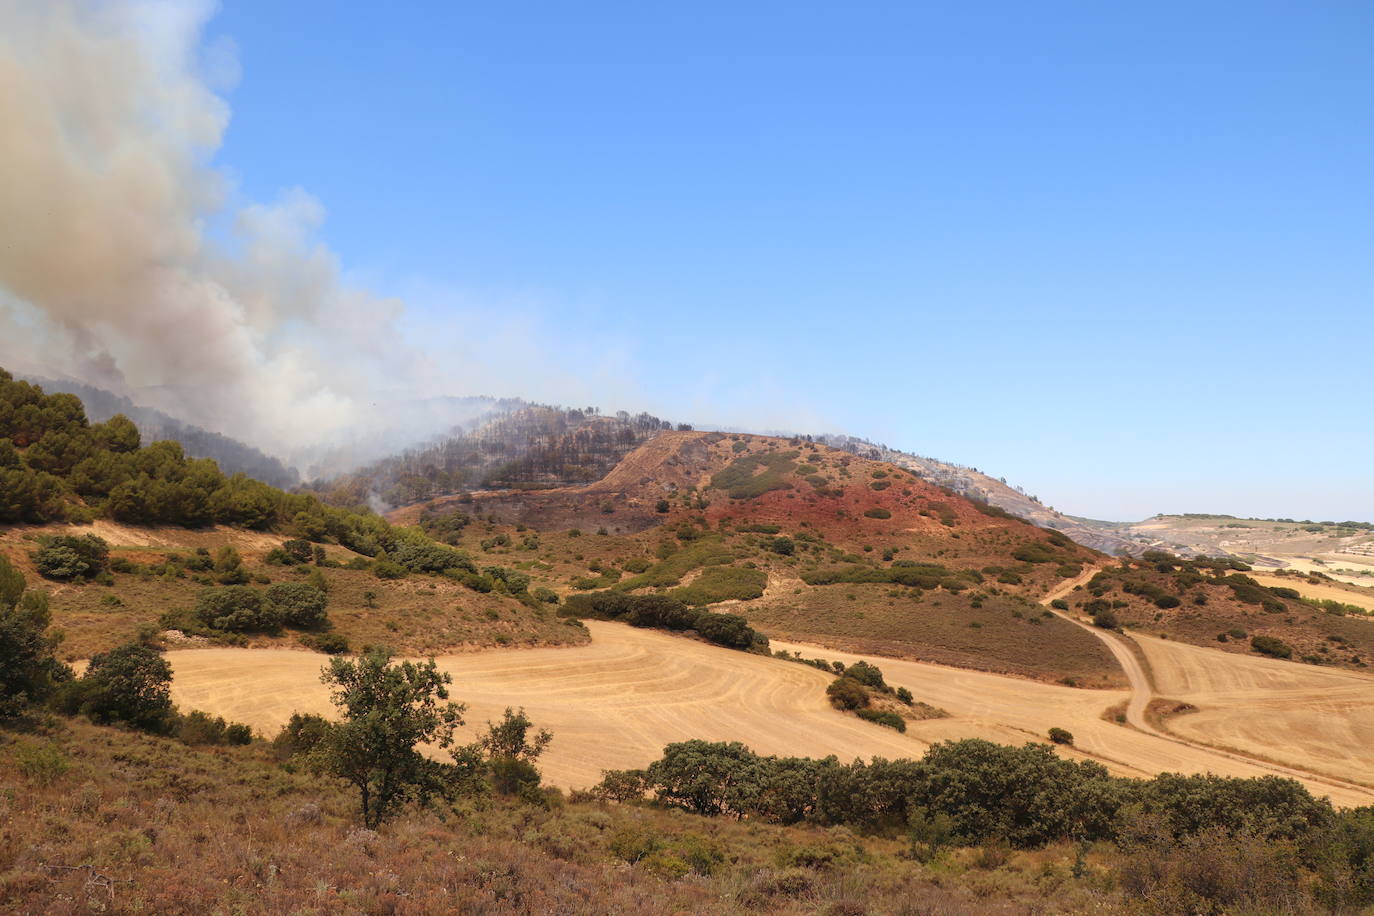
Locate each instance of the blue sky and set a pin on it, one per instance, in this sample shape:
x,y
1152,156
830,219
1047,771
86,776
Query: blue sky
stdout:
x,y
1119,253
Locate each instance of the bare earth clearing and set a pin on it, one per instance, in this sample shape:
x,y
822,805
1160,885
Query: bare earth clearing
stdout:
x,y
617,702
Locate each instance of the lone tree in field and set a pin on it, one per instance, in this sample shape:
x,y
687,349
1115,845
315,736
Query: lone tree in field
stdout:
x,y
387,710
510,753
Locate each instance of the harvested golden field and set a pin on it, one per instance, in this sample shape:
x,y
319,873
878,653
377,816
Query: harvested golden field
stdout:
x,y
1012,711
1360,597
1318,719
612,704
617,702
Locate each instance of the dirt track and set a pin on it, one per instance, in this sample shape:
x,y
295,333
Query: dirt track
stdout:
x,y
615,703
1288,720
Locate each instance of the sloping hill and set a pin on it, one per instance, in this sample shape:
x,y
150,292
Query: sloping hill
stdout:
x,y
975,485
531,447
233,456
806,541
127,541
1216,604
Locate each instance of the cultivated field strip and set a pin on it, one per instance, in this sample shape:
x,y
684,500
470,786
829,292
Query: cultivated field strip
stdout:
x,y
612,704
1317,719
1012,711
1362,598
617,702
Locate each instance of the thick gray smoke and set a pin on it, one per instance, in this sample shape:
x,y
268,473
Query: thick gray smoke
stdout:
x,y
108,272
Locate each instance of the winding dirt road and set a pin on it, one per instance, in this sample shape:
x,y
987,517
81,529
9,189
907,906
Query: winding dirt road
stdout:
x,y
1317,727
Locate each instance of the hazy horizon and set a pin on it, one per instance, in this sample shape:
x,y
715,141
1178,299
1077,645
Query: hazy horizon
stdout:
x,y
1118,257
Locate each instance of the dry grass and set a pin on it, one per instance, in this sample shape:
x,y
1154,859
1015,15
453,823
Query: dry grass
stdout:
x,y
185,831
938,627
418,615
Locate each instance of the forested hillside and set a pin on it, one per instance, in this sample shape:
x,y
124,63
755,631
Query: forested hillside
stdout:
x,y
56,465
182,550
232,456
531,448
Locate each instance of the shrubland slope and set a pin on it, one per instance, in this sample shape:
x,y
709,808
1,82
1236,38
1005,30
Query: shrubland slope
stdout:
x,y
806,541
1214,603
132,540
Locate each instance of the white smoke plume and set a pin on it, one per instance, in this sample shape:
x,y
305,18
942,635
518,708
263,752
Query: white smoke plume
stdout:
x,y
109,269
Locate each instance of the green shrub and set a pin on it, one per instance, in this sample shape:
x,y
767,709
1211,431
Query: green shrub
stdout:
x,y
202,728
129,684
1271,646
847,693
703,856
866,674
298,550
328,643
1061,736
740,481
1059,604
633,844
901,572
883,717
236,609
723,583
636,565
297,604
877,512
663,864
1106,619
730,630
783,546
1034,552
42,763
664,612
67,557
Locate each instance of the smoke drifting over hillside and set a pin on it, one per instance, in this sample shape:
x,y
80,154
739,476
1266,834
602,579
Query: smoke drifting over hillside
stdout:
x,y
122,262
